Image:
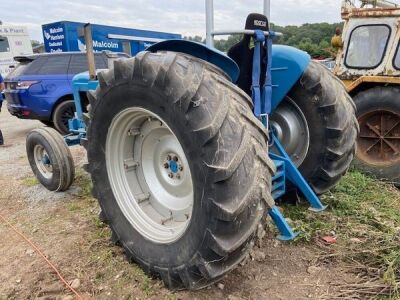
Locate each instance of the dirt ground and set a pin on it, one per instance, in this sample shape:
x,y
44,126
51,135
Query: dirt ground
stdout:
x,y
66,228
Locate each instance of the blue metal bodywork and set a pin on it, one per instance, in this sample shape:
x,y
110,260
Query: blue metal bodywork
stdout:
x,y
77,126
288,64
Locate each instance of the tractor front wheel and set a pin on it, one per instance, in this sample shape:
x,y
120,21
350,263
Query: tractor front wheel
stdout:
x,y
378,151
179,166
50,159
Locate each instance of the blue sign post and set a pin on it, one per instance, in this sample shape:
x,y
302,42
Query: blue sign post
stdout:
x,y
65,36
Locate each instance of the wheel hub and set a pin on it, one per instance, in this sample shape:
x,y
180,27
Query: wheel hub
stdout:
x,y
42,161
149,175
379,140
173,166
290,126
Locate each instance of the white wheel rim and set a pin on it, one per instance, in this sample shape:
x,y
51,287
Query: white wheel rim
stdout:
x,y
42,161
149,175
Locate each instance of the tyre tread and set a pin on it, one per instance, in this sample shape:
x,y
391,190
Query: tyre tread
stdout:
x,y
184,77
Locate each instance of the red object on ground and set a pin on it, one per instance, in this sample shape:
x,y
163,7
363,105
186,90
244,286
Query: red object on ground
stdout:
x,y
329,239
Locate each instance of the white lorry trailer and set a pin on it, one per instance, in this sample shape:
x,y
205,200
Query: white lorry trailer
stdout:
x,y
14,41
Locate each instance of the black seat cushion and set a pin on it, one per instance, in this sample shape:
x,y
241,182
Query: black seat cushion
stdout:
x,y
242,54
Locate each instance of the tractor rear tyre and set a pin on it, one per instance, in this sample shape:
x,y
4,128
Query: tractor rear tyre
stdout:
x,y
179,166
317,126
50,159
378,151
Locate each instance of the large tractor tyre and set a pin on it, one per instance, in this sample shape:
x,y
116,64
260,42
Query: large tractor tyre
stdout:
x,y
179,165
378,151
50,159
62,113
317,126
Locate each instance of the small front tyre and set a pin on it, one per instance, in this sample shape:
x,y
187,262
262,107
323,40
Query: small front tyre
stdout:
x,y
50,159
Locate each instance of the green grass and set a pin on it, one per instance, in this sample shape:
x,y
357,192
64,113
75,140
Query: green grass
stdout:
x,y
82,179
105,258
30,181
364,214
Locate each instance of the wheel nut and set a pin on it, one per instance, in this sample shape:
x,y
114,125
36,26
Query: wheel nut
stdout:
x,y
175,158
178,176
166,165
170,175
168,157
180,168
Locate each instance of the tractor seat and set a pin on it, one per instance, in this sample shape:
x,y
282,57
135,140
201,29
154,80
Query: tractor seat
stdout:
x,y
242,53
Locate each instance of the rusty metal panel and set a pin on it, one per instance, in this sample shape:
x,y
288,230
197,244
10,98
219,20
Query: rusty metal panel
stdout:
x,y
382,9
352,84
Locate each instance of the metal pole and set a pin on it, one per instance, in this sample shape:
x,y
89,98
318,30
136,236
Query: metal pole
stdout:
x,y
87,29
267,9
209,22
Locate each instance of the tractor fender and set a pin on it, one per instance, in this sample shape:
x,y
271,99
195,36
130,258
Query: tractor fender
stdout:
x,y
201,51
288,64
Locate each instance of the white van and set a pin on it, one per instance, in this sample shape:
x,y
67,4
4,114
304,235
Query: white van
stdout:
x,y
14,41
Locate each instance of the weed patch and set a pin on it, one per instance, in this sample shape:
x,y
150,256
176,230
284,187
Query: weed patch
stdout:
x,y
364,215
30,181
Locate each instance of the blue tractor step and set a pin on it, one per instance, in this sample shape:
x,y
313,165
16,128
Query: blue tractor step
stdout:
x,y
285,169
279,180
278,190
286,231
295,177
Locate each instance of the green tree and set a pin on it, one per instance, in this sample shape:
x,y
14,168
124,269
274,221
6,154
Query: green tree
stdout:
x,y
35,43
312,38
195,38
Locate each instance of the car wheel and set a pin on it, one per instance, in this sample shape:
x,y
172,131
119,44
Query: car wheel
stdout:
x,y
63,112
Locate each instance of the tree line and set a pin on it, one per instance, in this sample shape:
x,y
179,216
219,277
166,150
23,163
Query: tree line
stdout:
x,y
312,38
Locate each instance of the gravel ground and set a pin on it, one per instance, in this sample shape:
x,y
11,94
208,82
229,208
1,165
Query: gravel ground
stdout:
x,y
66,228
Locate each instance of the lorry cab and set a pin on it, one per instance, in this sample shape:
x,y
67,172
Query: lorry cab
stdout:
x,y
14,41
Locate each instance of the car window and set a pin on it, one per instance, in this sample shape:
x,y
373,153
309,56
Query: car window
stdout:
x,y
396,61
28,67
52,65
4,46
79,63
367,46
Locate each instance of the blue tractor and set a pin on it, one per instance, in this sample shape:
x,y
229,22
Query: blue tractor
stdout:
x,y
188,148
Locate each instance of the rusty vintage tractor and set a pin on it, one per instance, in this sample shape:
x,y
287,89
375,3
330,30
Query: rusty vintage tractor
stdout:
x,y
369,65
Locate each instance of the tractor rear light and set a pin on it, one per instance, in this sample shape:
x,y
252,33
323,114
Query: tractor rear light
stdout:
x,y
26,84
25,113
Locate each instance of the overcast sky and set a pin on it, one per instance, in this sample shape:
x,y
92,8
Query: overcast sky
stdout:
x,y
179,16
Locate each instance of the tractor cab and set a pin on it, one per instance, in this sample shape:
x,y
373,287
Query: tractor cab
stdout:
x,y
371,39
